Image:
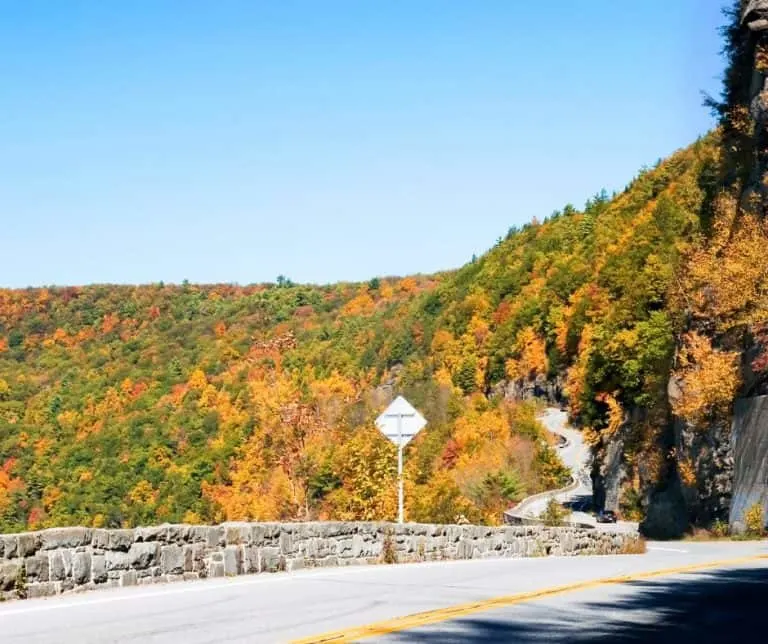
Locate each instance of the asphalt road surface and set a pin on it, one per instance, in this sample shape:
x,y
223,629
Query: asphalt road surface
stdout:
x,y
709,592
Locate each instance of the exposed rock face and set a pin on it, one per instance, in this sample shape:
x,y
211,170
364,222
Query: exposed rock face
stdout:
x,y
57,561
609,473
666,516
542,388
750,447
708,455
755,15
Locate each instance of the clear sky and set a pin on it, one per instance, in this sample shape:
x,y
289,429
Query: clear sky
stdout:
x,y
232,141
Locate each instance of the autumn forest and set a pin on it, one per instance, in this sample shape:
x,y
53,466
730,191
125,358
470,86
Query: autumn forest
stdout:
x,y
128,405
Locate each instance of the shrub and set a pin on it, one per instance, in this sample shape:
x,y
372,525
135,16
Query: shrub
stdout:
x,y
555,514
720,529
754,520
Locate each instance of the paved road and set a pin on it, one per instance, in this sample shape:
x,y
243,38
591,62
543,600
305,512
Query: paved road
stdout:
x,y
285,606
577,456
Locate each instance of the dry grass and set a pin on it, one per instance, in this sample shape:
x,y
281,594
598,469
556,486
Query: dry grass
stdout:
x,y
636,546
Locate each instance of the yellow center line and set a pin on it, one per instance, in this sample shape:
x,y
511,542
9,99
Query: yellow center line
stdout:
x,y
426,618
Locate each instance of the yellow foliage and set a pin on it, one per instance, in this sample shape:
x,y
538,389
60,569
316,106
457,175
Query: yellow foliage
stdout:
x,y
407,286
361,304
193,518
577,373
708,378
43,445
197,380
754,520
615,415
269,478
727,279
591,436
367,464
126,386
85,476
143,493
51,495
443,377
479,329
208,397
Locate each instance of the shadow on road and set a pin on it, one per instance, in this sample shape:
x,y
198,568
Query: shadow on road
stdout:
x,y
724,606
580,503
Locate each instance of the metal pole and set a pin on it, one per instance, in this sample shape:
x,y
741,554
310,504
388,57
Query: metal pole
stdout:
x,y
399,468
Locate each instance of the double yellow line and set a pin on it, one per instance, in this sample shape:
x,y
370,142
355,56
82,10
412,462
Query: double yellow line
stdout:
x,y
426,618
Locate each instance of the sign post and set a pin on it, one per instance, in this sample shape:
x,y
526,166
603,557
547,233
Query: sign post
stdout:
x,y
400,422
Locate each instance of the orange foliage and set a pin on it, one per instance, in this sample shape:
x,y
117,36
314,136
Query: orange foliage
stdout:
x,y
220,329
362,304
407,286
291,435
110,322
9,484
531,360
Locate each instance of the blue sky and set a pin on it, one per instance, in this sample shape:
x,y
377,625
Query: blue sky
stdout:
x,y
232,141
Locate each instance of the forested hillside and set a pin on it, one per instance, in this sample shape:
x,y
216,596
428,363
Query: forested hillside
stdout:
x,y
646,311
126,405
121,405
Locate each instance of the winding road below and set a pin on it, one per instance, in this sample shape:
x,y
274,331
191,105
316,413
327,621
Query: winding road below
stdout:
x,y
577,457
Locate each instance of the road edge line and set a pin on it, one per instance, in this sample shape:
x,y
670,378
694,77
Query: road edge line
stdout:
x,y
426,618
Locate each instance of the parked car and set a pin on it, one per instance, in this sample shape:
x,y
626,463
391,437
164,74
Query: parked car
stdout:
x,y
606,516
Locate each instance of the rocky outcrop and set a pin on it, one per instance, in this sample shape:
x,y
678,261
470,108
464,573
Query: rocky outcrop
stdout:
x,y
49,562
705,458
609,472
666,517
755,15
542,388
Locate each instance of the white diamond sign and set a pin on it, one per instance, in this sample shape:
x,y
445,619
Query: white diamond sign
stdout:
x,y
400,422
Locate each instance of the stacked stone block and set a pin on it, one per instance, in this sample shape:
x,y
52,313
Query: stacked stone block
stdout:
x,y
59,560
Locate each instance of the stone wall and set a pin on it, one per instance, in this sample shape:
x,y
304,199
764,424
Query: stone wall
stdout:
x,y
48,562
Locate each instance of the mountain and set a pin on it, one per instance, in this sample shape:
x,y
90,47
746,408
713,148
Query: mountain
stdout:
x,y
644,311
122,405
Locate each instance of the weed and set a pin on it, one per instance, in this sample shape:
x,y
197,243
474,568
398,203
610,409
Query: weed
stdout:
x,y
388,549
20,584
720,529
